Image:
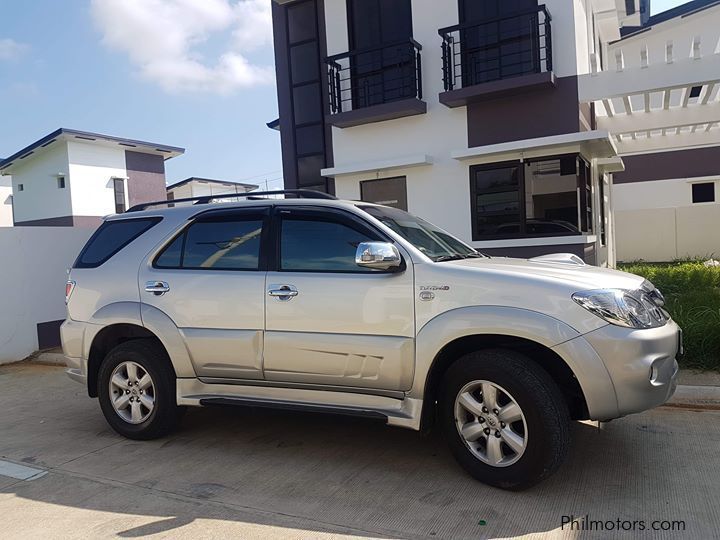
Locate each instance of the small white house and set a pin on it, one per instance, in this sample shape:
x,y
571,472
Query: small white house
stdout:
x,y
6,209
200,187
74,178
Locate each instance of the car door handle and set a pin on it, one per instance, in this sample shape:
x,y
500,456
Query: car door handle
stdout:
x,y
158,288
283,292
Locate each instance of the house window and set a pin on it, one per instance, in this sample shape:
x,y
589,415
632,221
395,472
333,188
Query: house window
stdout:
x,y
21,187
545,197
119,189
704,192
61,182
386,191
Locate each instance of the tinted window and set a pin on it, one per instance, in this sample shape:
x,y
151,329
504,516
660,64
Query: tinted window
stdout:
x,y
301,21
310,246
306,101
110,238
704,192
227,244
304,63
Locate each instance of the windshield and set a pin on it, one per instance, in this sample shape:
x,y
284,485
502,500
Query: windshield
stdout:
x,y
432,241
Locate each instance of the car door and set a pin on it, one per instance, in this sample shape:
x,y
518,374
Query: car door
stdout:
x,y
329,321
210,280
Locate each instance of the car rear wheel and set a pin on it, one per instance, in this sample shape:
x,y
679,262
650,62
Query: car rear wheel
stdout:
x,y
136,388
504,418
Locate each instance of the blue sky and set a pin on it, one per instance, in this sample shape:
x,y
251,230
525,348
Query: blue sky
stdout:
x,y
190,73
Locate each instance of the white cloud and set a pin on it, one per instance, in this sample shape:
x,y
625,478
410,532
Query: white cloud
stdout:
x,y
11,49
164,39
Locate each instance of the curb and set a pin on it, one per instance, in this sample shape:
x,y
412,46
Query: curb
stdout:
x,y
695,397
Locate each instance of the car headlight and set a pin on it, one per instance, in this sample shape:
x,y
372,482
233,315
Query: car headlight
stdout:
x,y
632,309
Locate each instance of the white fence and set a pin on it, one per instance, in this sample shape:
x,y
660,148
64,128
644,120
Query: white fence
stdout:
x,y
665,234
33,264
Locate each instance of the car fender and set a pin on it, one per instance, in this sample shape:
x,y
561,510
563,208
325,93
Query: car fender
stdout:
x,y
150,318
521,323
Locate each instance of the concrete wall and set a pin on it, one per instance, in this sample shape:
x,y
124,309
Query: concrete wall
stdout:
x,y
90,183
6,211
666,234
34,263
41,198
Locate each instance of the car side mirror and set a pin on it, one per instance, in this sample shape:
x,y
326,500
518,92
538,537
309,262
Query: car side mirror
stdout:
x,y
378,255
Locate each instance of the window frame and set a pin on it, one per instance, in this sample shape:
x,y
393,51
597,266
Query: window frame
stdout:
x,y
584,200
704,183
263,213
343,217
119,181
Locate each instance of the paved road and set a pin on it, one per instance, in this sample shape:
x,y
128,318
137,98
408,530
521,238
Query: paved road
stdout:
x,y
245,474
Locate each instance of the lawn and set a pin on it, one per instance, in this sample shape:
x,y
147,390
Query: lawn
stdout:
x,y
692,291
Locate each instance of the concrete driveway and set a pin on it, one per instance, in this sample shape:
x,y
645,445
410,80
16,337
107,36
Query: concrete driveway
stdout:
x,y
260,474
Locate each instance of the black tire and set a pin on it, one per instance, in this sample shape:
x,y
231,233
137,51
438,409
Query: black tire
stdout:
x,y
153,359
545,414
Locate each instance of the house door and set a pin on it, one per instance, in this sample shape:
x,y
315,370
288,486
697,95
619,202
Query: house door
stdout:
x,y
384,69
501,40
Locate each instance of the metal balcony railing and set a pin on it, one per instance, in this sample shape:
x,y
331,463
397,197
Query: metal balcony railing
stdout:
x,y
494,49
367,77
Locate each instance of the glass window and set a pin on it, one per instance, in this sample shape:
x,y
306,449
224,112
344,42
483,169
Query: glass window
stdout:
x,y
119,191
309,170
551,205
222,244
314,245
496,200
301,21
304,63
61,182
538,198
306,103
110,238
309,140
704,192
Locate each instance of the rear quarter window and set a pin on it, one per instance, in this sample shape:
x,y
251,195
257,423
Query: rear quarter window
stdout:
x,y
110,238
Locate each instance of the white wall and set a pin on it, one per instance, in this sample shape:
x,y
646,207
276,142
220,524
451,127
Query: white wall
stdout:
x,y
41,198
6,212
34,263
91,184
660,193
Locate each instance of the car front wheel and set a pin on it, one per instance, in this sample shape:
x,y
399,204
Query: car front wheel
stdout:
x,y
504,418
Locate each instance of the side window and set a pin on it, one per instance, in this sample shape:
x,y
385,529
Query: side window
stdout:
x,y
110,238
314,244
227,243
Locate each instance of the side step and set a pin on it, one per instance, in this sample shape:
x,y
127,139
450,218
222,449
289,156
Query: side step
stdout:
x,y
288,406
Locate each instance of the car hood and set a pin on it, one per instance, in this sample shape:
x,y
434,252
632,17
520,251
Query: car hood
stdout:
x,y
558,268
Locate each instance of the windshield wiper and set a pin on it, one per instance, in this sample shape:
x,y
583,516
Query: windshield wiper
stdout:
x,y
455,257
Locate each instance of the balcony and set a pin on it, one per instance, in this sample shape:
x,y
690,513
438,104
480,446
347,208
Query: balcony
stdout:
x,y
496,57
373,85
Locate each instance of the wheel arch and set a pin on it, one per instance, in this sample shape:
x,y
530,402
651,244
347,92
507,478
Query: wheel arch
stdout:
x,y
455,333
539,354
125,321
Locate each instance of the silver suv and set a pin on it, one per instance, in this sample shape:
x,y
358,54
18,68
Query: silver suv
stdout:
x,y
311,303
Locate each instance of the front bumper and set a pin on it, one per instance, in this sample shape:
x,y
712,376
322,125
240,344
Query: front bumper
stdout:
x,y
641,368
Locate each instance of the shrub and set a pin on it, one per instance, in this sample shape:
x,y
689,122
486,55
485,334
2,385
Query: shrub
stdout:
x,y
692,291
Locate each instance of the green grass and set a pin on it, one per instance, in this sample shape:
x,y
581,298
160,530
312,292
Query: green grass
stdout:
x,y
692,292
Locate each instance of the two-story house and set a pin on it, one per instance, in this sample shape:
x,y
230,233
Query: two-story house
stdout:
x,y
74,178
464,112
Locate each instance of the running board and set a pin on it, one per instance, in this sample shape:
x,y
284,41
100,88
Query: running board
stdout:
x,y
287,406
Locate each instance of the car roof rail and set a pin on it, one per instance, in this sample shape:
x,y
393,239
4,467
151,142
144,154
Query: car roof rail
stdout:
x,y
250,195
